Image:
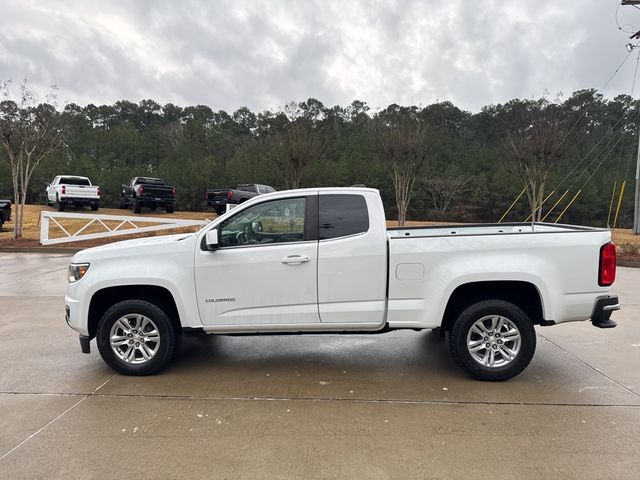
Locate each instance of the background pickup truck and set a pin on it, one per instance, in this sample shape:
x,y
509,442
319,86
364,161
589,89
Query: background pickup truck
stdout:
x,y
5,212
218,198
323,260
67,190
148,192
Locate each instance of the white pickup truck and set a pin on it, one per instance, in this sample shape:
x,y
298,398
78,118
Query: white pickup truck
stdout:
x,y
67,190
323,260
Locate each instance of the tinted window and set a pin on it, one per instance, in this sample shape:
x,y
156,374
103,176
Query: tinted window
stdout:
x,y
247,188
148,181
278,221
342,215
74,181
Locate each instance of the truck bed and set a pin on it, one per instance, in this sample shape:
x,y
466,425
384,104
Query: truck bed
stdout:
x,y
485,229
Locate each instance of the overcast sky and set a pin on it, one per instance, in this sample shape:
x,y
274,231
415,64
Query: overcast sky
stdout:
x,y
263,54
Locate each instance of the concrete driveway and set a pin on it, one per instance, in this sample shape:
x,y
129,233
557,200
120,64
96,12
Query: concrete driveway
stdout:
x,y
317,406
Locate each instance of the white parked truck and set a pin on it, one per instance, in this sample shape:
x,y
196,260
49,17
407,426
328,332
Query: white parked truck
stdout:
x,y
66,190
323,260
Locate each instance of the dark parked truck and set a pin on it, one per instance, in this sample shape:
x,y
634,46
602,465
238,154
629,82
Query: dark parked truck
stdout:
x,y
148,192
5,212
218,198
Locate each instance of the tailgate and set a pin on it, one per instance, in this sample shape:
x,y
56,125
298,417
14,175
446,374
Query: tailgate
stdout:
x,y
157,191
218,195
81,191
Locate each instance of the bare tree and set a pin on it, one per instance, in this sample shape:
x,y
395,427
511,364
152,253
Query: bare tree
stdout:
x,y
295,147
29,132
444,191
534,147
401,140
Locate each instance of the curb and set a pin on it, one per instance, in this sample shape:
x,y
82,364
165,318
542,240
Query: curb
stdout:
x,y
629,264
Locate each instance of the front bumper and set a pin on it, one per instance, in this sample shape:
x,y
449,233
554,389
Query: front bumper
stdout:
x,y
602,311
71,316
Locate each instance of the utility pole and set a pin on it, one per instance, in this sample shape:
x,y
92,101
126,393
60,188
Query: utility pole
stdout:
x,y
636,203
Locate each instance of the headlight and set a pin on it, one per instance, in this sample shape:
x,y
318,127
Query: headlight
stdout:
x,y
77,271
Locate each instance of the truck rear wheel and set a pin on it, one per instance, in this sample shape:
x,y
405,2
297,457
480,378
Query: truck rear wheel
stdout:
x,y
135,206
60,204
136,337
492,340
170,209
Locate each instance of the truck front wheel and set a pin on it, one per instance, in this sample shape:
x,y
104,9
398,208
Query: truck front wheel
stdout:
x,y
492,340
136,337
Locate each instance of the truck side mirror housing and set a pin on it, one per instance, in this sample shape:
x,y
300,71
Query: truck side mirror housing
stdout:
x,y
211,239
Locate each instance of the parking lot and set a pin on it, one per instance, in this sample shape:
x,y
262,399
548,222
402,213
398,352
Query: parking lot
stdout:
x,y
318,406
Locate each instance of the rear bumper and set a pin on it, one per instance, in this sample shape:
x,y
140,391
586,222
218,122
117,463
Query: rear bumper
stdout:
x,y
156,202
602,311
80,200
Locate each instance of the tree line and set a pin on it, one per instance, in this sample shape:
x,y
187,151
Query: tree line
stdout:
x,y
434,162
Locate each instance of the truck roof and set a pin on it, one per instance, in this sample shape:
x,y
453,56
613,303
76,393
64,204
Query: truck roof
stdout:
x,y
327,189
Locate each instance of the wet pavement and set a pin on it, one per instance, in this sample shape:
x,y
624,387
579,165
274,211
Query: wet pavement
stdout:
x,y
318,406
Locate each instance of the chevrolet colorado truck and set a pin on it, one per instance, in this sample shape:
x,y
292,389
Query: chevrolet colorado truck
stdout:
x,y
323,260
218,198
148,192
67,190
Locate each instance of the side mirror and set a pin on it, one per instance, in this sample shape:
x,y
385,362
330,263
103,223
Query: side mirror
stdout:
x,y
211,239
256,226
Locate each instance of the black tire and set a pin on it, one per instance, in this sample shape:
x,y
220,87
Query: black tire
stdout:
x,y
166,346
220,210
135,206
60,204
170,209
458,341
95,206
1,222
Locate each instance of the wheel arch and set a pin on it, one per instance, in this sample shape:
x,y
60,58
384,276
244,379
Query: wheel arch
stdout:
x,y
104,298
521,293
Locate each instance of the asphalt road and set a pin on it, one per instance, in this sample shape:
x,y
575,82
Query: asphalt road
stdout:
x,y
317,406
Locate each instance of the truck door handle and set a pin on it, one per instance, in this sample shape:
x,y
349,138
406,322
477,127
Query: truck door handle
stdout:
x,y
296,259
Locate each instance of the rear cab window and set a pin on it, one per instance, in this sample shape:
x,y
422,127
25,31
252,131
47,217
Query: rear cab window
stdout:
x,y
342,215
74,181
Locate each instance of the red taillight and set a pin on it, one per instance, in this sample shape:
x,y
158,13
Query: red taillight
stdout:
x,y
607,270
141,190
173,192
229,194
98,191
64,189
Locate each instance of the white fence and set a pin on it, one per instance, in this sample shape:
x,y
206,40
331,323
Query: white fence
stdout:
x,y
124,226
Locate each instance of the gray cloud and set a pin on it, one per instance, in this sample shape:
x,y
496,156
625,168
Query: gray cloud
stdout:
x,y
263,54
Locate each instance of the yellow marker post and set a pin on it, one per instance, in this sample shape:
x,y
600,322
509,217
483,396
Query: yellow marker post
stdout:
x,y
615,219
